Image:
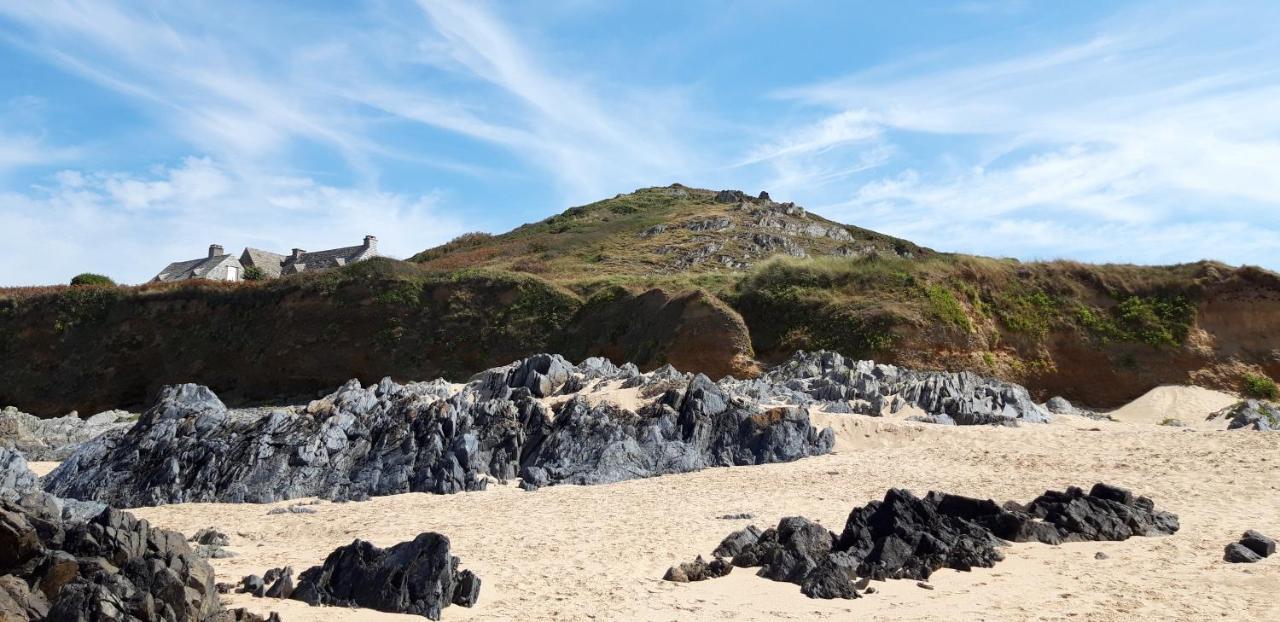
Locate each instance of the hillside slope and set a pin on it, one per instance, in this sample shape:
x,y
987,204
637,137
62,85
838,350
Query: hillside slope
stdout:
x,y
667,231
715,282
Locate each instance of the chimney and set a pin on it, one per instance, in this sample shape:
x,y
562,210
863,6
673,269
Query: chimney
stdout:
x,y
215,250
297,254
371,242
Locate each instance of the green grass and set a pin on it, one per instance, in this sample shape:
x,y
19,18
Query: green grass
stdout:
x,y
1260,387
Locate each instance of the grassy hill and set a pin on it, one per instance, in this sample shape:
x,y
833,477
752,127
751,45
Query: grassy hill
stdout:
x,y
718,282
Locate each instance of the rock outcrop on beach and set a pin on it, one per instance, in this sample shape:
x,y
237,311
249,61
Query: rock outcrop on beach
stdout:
x,y
57,438
112,567
908,537
1250,548
434,437
866,388
1252,415
418,577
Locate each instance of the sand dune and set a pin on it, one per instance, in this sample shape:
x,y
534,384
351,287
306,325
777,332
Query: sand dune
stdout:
x,y
598,552
1190,405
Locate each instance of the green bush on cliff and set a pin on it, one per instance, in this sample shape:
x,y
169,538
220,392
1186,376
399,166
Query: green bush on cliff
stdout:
x,y
1260,387
89,278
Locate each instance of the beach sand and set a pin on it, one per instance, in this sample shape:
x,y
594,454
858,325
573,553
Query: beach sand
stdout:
x,y
599,552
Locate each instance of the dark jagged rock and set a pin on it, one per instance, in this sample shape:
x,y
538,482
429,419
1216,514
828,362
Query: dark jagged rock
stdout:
x,y
1237,553
282,586
698,570
1258,543
418,577
432,437
1106,513
908,537
1252,547
112,567
796,549
738,541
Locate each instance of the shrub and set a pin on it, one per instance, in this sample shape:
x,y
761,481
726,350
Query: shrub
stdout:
x,y
944,306
254,273
89,278
1261,387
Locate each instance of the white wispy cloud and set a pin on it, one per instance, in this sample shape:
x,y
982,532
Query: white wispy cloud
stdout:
x,y
128,225
1139,133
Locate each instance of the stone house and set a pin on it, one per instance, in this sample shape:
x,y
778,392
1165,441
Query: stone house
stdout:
x,y
222,267
217,266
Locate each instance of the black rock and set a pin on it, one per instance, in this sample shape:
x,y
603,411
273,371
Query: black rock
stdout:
x,y
282,587
252,584
1258,543
907,537
800,546
734,543
418,577
1237,553
113,566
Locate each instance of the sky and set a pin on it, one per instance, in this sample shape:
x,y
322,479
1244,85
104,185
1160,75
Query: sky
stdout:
x,y
137,133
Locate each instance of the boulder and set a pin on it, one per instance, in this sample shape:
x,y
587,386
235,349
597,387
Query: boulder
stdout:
x,y
417,577
1237,553
698,570
1258,543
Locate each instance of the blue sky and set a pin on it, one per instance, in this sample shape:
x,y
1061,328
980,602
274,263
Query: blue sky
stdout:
x,y
136,133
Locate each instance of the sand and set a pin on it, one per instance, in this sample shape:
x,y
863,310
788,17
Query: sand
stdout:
x,y
1189,405
598,552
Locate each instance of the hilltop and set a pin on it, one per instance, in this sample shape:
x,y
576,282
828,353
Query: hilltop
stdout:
x,y
672,231
718,282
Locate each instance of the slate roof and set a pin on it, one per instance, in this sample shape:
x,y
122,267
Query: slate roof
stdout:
x,y
332,258
191,269
270,263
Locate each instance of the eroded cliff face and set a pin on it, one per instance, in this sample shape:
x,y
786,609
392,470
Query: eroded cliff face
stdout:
x,y
1082,336
90,349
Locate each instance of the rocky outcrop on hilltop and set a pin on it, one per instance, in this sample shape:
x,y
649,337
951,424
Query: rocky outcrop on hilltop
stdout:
x,y
418,577
863,387
57,438
908,537
390,438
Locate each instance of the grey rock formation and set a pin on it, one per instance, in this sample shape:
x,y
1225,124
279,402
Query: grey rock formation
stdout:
x,y
419,577
863,387
430,437
55,439
908,537
1253,415
16,479
1059,405
112,567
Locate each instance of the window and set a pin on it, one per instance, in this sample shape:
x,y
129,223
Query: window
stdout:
x,y
233,273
